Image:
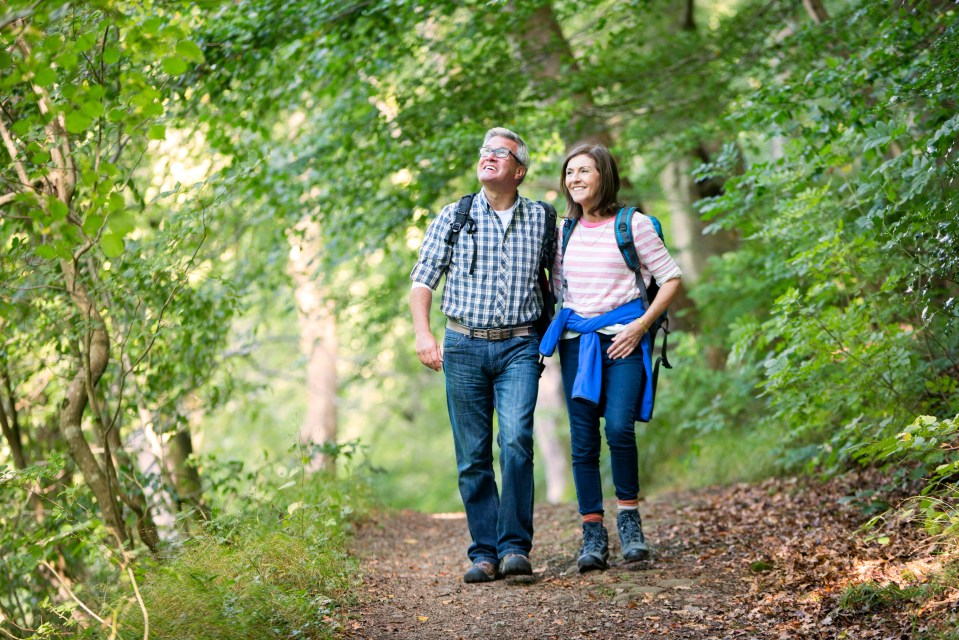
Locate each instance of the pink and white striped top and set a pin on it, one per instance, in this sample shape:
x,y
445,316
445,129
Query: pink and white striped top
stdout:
x,y
596,276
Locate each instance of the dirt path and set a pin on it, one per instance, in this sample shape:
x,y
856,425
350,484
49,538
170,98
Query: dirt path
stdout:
x,y
764,561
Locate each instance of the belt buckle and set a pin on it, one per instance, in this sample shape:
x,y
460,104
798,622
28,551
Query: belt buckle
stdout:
x,y
498,334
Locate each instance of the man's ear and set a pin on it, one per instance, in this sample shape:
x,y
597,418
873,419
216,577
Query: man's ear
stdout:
x,y
520,172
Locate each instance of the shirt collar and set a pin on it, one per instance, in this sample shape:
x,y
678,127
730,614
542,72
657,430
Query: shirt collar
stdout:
x,y
486,203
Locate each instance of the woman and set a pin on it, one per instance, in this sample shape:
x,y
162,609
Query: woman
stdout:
x,y
599,330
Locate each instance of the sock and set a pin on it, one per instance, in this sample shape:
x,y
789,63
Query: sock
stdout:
x,y
593,517
628,505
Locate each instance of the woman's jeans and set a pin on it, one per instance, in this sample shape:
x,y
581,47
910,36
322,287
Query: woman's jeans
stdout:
x,y
622,381
483,375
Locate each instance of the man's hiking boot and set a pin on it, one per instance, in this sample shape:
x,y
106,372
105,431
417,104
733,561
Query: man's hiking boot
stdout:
x,y
594,554
631,536
481,571
515,564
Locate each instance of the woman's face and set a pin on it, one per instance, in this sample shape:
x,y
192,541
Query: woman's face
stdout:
x,y
582,181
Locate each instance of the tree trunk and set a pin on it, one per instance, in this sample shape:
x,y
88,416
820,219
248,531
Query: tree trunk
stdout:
x,y
687,243
816,10
102,481
9,419
318,343
550,414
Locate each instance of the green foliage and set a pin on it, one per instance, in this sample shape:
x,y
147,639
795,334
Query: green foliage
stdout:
x,y
272,564
67,540
929,443
871,596
847,228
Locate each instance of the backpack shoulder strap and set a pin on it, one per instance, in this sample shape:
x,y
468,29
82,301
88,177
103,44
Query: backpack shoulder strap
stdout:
x,y
568,225
624,240
657,227
549,242
624,237
461,220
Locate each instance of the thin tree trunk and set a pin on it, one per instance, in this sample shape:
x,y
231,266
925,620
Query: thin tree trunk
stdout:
x,y
185,473
816,10
9,419
550,414
318,342
100,480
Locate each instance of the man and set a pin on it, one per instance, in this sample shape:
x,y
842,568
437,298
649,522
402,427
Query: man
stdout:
x,y
489,352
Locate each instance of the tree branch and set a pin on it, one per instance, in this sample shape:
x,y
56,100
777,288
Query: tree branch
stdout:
x,y
11,146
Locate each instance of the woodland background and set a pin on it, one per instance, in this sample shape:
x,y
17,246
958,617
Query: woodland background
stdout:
x,y
209,211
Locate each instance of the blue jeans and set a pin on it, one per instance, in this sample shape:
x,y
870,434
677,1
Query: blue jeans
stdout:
x,y
481,376
622,381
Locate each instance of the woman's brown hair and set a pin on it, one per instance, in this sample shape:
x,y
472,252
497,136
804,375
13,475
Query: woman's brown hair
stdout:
x,y
608,180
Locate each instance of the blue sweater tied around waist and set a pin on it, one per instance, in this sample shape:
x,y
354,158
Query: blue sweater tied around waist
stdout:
x,y
589,376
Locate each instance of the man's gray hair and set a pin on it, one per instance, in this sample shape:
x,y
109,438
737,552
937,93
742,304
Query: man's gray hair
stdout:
x,y
522,151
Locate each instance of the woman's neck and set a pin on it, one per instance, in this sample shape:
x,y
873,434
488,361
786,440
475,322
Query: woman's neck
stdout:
x,y
594,215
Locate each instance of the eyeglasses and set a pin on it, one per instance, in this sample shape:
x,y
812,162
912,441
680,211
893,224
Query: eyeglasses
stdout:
x,y
499,152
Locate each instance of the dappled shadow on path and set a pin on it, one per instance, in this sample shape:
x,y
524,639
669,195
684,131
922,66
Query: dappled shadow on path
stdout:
x,y
749,561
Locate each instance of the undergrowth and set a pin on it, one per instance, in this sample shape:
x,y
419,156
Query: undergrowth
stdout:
x,y
272,566
269,561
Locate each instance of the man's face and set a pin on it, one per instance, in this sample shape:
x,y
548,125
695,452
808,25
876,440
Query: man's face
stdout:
x,y
500,172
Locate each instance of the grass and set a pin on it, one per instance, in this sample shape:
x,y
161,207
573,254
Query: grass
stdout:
x,y
871,597
279,569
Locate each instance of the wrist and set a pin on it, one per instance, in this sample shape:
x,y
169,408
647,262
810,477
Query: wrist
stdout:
x,y
643,324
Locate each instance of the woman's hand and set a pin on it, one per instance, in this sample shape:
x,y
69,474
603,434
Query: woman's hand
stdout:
x,y
625,342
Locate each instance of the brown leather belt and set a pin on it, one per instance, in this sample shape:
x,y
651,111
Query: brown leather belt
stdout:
x,y
499,333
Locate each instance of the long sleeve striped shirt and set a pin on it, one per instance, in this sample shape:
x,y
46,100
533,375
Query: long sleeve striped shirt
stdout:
x,y
502,289
595,276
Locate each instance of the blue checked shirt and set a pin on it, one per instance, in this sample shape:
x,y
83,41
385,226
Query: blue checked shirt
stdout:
x,y
502,290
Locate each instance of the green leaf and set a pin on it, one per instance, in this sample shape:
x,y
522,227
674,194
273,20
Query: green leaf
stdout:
x,y
92,108
111,55
45,76
77,122
152,26
121,223
157,132
112,245
117,203
57,208
189,51
46,252
174,66
92,224
86,41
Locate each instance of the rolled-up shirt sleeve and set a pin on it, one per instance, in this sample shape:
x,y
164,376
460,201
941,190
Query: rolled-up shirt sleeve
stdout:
x,y
435,254
653,255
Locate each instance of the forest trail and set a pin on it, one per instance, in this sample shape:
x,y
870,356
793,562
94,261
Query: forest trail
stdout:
x,y
748,561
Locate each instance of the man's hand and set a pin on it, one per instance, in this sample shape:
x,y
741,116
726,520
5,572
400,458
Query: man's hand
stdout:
x,y
429,351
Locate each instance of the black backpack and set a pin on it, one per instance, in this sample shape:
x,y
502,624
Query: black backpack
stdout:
x,y
463,220
623,228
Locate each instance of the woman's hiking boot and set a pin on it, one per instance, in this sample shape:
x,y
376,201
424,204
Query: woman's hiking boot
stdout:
x,y
631,536
594,554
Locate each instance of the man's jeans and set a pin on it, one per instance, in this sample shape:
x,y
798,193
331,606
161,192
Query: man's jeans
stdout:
x,y
481,376
622,381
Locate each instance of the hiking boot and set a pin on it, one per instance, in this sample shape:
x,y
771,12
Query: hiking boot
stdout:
x,y
481,571
515,564
594,554
631,536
